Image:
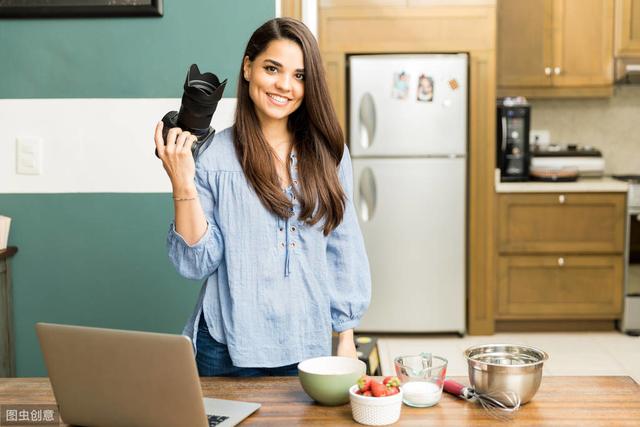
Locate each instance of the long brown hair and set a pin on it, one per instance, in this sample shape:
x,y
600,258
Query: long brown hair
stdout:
x,y
317,137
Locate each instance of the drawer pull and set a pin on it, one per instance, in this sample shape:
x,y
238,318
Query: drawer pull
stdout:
x,y
562,199
560,261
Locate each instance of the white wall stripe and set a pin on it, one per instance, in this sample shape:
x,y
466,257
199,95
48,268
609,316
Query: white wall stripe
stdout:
x,y
90,145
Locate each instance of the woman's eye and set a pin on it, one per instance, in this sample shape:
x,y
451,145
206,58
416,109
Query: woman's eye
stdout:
x,y
271,68
300,76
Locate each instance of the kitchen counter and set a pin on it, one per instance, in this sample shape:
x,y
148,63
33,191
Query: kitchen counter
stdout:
x,y
561,401
582,185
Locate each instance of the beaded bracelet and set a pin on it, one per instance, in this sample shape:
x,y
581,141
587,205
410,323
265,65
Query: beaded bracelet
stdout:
x,y
183,199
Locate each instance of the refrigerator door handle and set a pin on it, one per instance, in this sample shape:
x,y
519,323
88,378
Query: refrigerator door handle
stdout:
x,y
367,120
367,192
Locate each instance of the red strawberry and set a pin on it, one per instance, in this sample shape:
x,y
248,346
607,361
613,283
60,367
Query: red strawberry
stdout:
x,y
364,383
392,390
367,393
391,381
357,392
378,389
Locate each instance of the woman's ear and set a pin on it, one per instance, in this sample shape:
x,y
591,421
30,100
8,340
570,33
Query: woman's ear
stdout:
x,y
246,68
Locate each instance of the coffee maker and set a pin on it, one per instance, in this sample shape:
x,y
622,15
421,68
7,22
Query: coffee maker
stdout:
x,y
513,155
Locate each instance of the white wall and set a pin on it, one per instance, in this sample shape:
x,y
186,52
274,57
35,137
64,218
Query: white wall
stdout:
x,y
90,145
610,124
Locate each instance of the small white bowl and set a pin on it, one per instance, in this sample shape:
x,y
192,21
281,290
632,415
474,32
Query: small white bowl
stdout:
x,y
375,411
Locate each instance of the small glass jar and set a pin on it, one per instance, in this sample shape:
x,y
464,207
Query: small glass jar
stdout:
x,y
422,378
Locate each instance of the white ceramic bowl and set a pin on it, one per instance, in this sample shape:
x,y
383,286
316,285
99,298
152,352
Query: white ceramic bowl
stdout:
x,y
327,379
375,411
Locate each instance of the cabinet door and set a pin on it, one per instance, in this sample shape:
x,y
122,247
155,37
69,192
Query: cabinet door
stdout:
x,y
524,43
628,28
582,43
556,223
560,287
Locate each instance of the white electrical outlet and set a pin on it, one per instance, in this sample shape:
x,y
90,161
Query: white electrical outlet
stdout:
x,y
29,156
539,137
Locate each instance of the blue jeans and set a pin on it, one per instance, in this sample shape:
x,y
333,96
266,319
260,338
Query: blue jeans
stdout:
x,y
213,359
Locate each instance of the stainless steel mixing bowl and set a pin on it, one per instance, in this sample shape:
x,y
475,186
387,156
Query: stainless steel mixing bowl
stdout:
x,y
496,368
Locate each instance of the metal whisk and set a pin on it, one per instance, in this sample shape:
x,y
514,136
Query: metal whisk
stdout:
x,y
501,405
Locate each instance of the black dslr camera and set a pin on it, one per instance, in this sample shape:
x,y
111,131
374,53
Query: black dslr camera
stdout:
x,y
202,92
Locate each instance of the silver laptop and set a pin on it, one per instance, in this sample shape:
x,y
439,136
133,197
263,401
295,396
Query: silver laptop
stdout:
x,y
107,377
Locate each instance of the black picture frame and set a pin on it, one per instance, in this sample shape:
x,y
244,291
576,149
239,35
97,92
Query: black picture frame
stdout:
x,y
79,8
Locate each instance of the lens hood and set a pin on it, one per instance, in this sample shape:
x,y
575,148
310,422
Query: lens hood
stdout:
x,y
202,92
200,98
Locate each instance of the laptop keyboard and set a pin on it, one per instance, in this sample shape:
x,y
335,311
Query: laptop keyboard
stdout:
x,y
214,420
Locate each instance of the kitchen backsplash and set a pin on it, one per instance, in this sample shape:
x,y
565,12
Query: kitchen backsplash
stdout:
x,y
612,125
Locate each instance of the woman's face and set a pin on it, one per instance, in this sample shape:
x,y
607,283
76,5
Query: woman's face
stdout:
x,y
276,80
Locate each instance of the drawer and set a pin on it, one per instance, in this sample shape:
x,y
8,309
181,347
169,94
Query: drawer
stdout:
x,y
561,223
560,287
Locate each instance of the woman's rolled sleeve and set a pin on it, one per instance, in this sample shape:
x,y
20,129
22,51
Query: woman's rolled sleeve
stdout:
x,y
347,261
201,259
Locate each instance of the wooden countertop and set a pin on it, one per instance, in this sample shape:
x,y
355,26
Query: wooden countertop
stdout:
x,y
561,401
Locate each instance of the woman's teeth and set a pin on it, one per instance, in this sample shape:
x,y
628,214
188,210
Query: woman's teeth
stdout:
x,y
278,99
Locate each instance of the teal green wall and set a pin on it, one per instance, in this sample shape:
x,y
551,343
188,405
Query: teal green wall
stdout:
x,y
127,57
100,259
95,260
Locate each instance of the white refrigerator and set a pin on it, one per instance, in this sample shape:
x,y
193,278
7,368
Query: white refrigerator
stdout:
x,y
408,141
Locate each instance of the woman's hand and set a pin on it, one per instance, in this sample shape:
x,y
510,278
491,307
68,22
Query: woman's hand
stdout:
x,y
346,345
177,159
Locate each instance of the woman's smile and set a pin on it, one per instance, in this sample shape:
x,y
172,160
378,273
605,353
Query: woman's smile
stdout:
x,y
278,100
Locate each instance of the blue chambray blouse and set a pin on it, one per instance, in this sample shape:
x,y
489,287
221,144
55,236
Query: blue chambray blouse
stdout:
x,y
275,288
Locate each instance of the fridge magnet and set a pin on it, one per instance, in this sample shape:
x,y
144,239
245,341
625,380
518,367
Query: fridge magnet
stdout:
x,y
425,88
400,85
453,84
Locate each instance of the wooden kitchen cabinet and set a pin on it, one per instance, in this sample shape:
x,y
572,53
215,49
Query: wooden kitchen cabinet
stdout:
x,y
524,43
559,287
582,223
555,48
628,28
561,256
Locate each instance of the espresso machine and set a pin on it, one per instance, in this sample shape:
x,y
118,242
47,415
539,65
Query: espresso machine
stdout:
x,y
513,155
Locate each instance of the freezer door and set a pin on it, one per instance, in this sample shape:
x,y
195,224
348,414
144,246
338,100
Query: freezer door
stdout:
x,y
408,105
412,216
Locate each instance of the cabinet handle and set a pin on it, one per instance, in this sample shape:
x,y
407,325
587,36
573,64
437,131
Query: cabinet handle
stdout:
x,y
557,71
547,71
562,199
560,261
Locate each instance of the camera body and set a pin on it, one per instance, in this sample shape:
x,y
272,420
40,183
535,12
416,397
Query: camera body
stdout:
x,y
170,120
202,92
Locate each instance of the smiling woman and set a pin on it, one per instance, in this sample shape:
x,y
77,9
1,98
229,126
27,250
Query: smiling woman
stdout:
x,y
266,215
283,87
276,91
282,92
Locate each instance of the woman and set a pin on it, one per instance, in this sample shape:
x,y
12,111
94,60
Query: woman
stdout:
x,y
266,215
